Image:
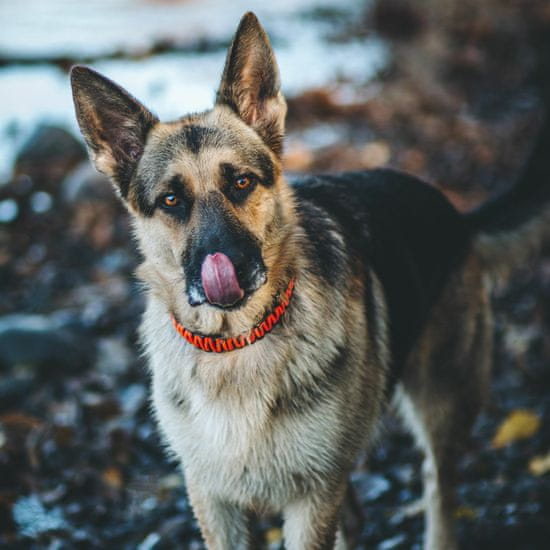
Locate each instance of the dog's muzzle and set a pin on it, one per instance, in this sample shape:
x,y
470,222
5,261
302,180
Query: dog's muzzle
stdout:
x,y
219,280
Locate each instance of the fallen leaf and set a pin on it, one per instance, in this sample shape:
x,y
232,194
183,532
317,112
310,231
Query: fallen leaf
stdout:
x,y
540,465
519,424
465,512
112,476
273,536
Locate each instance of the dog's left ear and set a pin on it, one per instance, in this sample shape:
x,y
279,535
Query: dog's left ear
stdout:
x,y
250,83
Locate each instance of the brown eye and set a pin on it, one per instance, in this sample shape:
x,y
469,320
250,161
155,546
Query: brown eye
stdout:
x,y
242,182
170,200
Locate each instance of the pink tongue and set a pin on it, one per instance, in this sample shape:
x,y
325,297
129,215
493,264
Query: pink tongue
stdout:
x,y
219,280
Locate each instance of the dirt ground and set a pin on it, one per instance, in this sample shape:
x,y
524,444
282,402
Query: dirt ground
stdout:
x,y
81,464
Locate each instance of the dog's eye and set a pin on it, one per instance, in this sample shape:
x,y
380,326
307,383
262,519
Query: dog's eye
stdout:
x,y
170,200
238,186
242,182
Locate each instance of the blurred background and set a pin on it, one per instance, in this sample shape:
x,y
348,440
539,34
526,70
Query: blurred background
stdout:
x,y
450,90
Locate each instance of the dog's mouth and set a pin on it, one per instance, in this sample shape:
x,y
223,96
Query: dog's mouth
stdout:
x,y
221,284
219,280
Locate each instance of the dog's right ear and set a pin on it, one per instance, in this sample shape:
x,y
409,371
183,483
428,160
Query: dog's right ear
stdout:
x,y
113,123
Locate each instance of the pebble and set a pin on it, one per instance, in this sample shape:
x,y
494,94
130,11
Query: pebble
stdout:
x,y
391,544
149,542
33,519
370,486
9,210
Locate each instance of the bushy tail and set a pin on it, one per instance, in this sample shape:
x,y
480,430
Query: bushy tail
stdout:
x,y
514,226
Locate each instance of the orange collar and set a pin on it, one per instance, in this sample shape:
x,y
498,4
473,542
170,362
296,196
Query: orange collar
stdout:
x,y
219,345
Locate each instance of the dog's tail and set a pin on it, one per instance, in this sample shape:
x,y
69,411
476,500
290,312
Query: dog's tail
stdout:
x,y
512,227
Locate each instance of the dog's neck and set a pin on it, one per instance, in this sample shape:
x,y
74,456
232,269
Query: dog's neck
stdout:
x,y
209,320
216,344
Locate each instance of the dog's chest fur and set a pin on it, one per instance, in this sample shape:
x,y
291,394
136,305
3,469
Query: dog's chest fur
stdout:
x,y
247,426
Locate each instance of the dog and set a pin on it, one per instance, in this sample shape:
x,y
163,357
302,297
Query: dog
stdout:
x,y
283,317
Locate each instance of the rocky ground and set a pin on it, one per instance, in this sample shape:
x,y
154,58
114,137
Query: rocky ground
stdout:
x,y
81,464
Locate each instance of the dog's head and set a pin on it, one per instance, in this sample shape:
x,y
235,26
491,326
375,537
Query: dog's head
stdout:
x,y
205,191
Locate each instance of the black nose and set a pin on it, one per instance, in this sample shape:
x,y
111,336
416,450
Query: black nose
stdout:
x,y
219,232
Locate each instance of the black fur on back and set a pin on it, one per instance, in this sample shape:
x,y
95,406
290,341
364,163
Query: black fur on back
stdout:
x,y
402,228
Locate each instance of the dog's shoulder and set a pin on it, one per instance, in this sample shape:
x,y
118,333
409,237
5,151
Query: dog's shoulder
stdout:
x,y
402,228
376,197
389,218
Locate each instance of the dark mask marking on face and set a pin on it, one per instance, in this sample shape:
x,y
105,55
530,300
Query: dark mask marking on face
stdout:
x,y
219,231
263,161
197,137
182,210
230,174
147,204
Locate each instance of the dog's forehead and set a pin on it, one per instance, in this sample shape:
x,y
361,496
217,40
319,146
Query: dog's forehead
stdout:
x,y
197,144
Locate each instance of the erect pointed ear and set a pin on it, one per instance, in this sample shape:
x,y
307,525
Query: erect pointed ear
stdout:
x,y
113,123
250,83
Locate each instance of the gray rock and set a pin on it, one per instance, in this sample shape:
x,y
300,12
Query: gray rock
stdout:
x,y
47,343
13,390
48,155
370,486
395,542
33,519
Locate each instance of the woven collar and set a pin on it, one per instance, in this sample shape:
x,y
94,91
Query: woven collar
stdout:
x,y
219,345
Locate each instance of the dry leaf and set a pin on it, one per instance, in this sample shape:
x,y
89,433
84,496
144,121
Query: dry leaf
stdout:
x,y
273,536
519,424
112,476
540,465
465,512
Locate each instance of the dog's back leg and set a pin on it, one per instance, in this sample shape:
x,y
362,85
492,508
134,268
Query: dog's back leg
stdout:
x,y
440,432
442,391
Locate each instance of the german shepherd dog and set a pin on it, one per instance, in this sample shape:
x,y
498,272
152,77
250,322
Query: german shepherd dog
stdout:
x,y
283,317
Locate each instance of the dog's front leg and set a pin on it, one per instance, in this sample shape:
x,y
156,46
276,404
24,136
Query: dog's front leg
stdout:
x,y
223,525
312,523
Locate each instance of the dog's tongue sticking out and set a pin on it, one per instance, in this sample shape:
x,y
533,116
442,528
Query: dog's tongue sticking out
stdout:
x,y
219,280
